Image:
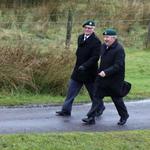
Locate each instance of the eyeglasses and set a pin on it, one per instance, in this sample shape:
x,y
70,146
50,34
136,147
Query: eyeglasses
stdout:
x,y
89,28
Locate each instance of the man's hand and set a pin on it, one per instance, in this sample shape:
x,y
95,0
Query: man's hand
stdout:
x,y
102,74
81,68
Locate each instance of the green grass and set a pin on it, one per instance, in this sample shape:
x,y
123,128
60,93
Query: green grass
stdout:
x,y
138,73
125,140
8,99
46,38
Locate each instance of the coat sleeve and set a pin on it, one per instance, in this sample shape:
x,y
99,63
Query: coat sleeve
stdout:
x,y
94,56
118,63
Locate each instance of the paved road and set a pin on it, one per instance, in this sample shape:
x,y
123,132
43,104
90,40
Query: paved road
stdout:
x,y
43,119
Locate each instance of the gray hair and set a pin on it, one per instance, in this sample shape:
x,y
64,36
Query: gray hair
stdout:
x,y
114,36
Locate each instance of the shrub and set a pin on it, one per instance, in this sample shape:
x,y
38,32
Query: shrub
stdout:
x,y
34,71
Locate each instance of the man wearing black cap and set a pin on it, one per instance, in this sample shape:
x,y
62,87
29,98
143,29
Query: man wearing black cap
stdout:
x,y
85,69
110,78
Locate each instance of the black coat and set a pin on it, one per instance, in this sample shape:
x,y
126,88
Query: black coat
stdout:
x,y
87,54
113,64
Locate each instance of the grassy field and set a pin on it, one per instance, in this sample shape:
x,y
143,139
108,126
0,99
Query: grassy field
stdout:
x,y
137,72
31,99
125,140
34,63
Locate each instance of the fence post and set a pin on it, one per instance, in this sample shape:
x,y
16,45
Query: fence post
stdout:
x,y
148,37
69,28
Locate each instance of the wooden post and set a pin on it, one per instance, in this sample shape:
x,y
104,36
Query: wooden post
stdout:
x,y
148,37
69,29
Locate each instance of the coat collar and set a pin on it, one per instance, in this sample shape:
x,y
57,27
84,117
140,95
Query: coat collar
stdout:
x,y
111,46
81,40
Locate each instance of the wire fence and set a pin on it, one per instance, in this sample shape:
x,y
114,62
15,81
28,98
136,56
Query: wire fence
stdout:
x,y
63,30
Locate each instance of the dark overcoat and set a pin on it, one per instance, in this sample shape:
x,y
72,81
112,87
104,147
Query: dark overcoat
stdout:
x,y
87,55
112,62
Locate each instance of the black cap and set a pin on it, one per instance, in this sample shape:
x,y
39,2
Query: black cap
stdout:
x,y
89,23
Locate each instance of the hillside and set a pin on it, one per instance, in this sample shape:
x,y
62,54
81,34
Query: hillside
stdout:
x,y
33,36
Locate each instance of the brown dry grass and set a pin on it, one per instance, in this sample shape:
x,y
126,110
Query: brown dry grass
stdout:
x,y
33,71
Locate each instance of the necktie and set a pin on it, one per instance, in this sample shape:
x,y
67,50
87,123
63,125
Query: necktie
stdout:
x,y
85,37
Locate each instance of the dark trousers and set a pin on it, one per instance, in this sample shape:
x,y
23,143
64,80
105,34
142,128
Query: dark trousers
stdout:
x,y
73,90
98,101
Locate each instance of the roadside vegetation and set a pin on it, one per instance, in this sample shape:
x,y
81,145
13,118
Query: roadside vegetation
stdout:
x,y
35,66
137,72
124,140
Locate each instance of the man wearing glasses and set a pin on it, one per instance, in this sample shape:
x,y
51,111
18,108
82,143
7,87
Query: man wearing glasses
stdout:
x,y
85,69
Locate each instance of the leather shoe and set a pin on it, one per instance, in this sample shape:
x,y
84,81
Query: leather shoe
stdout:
x,y
63,113
89,120
100,112
122,121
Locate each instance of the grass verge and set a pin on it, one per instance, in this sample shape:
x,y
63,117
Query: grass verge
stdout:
x,y
137,72
125,140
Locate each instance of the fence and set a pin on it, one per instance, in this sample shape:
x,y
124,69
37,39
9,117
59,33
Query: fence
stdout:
x,y
65,29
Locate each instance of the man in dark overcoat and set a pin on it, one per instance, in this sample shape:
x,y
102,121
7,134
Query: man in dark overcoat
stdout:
x,y
110,78
85,69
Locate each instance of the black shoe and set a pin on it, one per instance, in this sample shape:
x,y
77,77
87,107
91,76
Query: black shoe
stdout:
x,y
62,113
122,121
100,112
89,120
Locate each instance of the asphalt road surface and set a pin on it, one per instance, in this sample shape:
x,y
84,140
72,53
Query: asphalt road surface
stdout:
x,y
43,119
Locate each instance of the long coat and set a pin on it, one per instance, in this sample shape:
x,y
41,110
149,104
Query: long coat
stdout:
x,y
87,55
112,62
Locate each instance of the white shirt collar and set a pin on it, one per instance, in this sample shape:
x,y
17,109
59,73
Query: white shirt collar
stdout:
x,y
86,36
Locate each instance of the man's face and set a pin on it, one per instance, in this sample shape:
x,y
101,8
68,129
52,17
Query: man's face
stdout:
x,y
88,30
109,40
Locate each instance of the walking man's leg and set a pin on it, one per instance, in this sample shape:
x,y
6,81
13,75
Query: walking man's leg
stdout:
x,y
97,101
93,111
90,89
122,110
73,90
